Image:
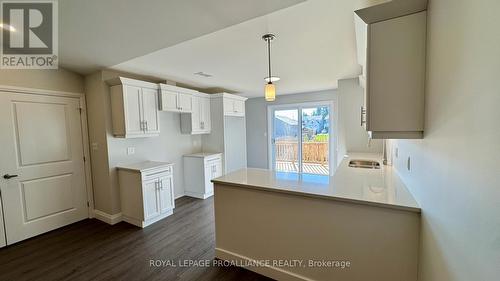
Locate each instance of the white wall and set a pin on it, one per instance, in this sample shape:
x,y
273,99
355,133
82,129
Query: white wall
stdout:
x,y
351,137
111,151
46,79
455,170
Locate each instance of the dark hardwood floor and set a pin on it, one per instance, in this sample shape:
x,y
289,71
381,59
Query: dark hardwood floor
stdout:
x,y
93,250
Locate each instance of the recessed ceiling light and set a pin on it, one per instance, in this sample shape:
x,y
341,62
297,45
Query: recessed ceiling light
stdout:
x,y
272,79
201,73
7,27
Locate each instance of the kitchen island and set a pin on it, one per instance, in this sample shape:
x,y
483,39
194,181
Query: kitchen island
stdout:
x,y
359,224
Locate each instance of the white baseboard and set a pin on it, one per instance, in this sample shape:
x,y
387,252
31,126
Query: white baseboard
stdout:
x,y
179,196
266,270
107,218
198,195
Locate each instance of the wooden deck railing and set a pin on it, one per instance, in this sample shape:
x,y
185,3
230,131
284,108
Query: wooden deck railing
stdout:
x,y
313,152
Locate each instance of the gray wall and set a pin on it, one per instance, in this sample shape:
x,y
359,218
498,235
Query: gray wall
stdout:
x,y
455,171
348,99
108,152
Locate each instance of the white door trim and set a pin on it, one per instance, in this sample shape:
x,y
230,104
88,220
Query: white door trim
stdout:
x,y
34,91
332,147
85,135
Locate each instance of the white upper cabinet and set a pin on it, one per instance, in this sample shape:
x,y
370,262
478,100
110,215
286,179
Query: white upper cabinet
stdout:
x,y
198,121
176,99
233,105
151,114
206,122
134,106
392,54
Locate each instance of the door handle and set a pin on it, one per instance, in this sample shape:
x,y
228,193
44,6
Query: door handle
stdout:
x,y
7,176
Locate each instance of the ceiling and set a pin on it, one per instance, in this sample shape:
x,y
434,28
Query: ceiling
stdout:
x,y
94,34
174,39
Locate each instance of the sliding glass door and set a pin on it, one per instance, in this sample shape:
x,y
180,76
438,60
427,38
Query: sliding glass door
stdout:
x,y
300,138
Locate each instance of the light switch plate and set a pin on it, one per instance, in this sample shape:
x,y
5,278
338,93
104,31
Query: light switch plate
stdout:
x,y
130,150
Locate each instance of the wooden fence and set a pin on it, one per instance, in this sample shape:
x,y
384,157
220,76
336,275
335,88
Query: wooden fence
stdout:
x,y
313,152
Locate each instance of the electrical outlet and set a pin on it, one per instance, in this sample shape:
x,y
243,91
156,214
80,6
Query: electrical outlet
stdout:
x,y
95,146
130,150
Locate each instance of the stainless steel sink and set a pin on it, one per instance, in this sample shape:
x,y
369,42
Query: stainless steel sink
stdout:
x,y
366,164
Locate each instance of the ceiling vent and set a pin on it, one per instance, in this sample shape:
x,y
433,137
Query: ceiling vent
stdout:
x,y
203,74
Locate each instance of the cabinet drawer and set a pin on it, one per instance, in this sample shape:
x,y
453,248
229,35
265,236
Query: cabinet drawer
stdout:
x,y
157,174
212,161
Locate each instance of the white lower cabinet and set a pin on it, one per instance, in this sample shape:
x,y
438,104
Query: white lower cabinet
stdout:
x,y
199,170
146,192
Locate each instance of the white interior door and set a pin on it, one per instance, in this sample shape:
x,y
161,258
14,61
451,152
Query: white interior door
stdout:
x,y
2,228
42,150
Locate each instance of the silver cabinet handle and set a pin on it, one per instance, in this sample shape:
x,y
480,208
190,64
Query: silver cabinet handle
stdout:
x,y
146,124
363,112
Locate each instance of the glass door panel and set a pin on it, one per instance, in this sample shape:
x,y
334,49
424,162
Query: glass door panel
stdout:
x,y
301,138
285,140
315,130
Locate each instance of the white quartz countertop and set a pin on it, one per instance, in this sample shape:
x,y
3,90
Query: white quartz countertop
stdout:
x,y
203,154
144,166
378,187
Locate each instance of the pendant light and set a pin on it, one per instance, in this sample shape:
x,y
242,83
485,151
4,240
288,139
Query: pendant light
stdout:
x,y
270,88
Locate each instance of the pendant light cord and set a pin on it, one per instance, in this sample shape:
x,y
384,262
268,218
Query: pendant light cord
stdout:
x,y
269,58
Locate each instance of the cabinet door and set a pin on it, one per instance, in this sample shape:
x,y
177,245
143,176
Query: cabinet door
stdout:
x,y
396,74
185,102
196,115
151,199
150,110
228,106
132,104
213,169
205,114
169,101
218,169
209,172
166,194
239,107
